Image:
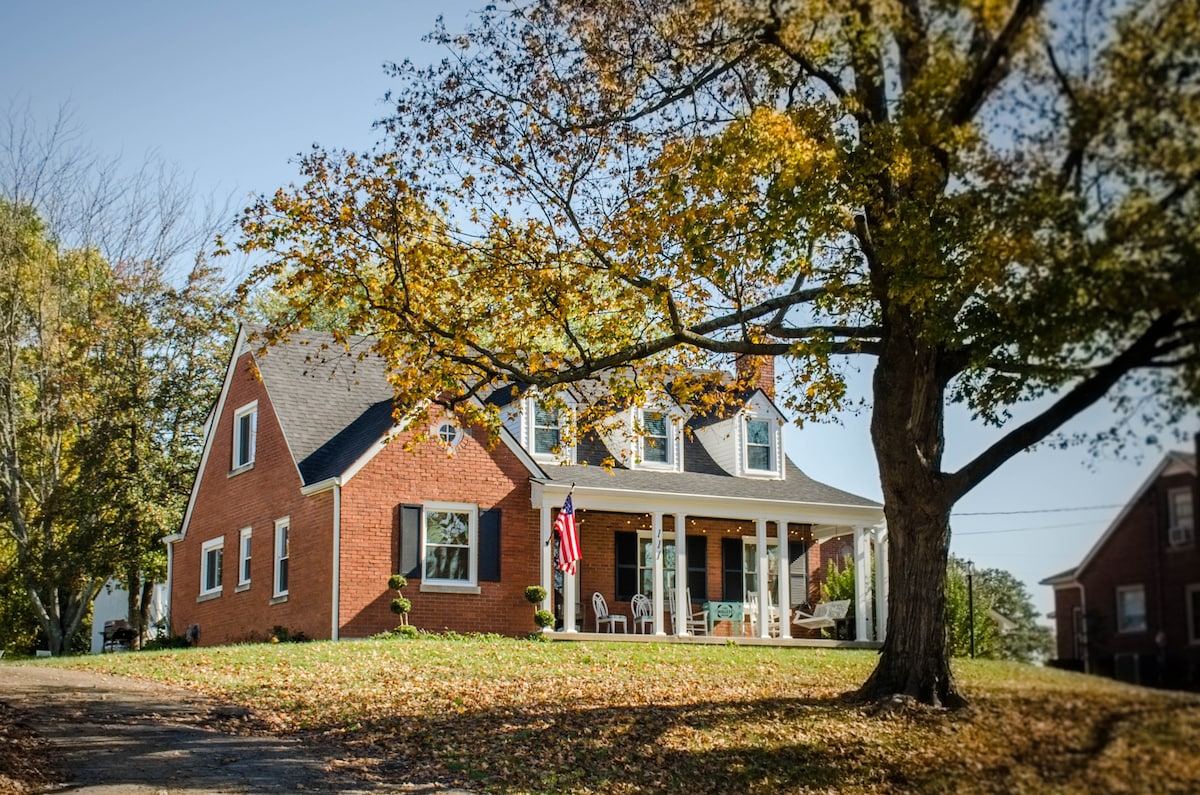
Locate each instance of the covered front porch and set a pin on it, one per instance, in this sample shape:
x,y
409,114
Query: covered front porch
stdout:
x,y
699,556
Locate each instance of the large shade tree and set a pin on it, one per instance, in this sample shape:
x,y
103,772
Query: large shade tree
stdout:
x,y
994,201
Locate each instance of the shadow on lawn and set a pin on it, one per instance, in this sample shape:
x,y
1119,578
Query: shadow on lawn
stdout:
x,y
760,746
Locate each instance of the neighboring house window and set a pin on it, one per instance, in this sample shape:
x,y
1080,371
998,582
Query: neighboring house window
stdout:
x,y
1131,608
656,437
245,431
646,564
211,558
1193,613
450,537
282,530
758,445
244,557
1180,517
547,433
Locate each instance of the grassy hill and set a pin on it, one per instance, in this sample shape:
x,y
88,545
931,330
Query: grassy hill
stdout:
x,y
514,716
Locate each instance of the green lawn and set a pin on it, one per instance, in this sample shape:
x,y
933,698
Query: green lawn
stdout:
x,y
516,716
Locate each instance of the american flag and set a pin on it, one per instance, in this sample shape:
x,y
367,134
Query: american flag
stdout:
x,y
568,537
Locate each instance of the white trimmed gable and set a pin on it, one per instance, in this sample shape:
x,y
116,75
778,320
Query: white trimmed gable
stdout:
x,y
748,444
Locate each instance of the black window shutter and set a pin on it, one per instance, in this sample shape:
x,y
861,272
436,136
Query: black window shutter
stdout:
x,y
697,567
798,572
627,572
731,570
410,540
489,546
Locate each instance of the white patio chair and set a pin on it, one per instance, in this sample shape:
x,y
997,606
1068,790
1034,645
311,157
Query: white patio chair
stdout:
x,y
600,608
695,622
643,613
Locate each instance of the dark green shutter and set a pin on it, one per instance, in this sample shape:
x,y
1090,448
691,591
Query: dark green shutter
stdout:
x,y
731,570
489,546
627,569
410,540
697,567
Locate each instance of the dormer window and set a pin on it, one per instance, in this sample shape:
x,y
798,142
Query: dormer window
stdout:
x,y
656,437
758,446
547,435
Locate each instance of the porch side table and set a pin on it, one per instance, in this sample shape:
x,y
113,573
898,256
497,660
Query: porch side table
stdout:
x,y
733,612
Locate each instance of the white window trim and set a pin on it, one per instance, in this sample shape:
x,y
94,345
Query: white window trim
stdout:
x,y
245,537
470,585
648,535
566,423
205,549
436,432
1189,594
1173,520
752,541
1121,589
251,409
276,557
773,431
673,452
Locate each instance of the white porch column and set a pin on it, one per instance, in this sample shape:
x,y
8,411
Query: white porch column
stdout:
x,y
881,582
570,597
657,534
862,583
682,608
764,628
547,566
784,573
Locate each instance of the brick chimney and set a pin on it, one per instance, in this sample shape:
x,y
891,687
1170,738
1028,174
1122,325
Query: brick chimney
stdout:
x,y
758,371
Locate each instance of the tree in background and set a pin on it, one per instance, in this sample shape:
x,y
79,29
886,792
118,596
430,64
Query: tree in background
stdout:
x,y
992,203
111,361
1005,620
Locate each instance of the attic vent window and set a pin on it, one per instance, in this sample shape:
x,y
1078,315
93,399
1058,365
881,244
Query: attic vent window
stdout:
x,y
449,433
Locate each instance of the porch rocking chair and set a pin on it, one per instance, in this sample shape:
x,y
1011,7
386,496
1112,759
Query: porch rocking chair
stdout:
x,y
600,608
694,622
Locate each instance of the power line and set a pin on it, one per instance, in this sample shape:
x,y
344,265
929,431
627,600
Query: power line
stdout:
x,y
1041,510
1023,529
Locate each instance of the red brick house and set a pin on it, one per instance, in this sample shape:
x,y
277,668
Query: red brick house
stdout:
x,y
308,497
1131,608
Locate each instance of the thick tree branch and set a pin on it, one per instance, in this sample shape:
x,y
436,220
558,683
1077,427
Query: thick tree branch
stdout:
x,y
991,68
771,35
1140,353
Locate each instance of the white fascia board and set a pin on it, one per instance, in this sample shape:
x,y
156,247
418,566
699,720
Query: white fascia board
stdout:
x,y
321,486
1168,460
238,344
741,508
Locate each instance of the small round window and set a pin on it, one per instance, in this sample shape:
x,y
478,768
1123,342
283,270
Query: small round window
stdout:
x,y
448,433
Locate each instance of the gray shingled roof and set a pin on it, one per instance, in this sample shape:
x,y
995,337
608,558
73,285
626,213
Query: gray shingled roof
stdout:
x,y
333,405
797,487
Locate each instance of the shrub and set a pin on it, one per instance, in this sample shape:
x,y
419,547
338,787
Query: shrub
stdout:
x,y
543,618
534,594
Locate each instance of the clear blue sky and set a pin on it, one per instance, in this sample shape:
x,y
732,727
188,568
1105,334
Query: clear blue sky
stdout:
x,y
231,92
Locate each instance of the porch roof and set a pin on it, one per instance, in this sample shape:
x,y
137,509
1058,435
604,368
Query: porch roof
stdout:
x,y
798,497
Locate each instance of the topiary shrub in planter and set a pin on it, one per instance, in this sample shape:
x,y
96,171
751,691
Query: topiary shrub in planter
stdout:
x,y
400,605
535,594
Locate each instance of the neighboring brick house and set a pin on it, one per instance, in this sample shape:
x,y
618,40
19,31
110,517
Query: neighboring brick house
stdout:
x,y
1131,608
309,496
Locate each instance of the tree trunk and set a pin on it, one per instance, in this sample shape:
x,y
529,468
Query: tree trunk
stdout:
x,y
906,430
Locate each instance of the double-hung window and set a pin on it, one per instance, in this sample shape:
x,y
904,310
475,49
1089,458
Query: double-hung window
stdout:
x,y
451,530
1131,608
547,433
1180,517
212,554
282,555
244,557
656,437
245,432
750,566
759,455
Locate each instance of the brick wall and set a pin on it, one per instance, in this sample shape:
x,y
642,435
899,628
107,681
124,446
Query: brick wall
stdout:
x,y
370,537
254,498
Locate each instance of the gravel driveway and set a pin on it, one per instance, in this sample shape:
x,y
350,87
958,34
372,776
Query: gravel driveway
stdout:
x,y
110,734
